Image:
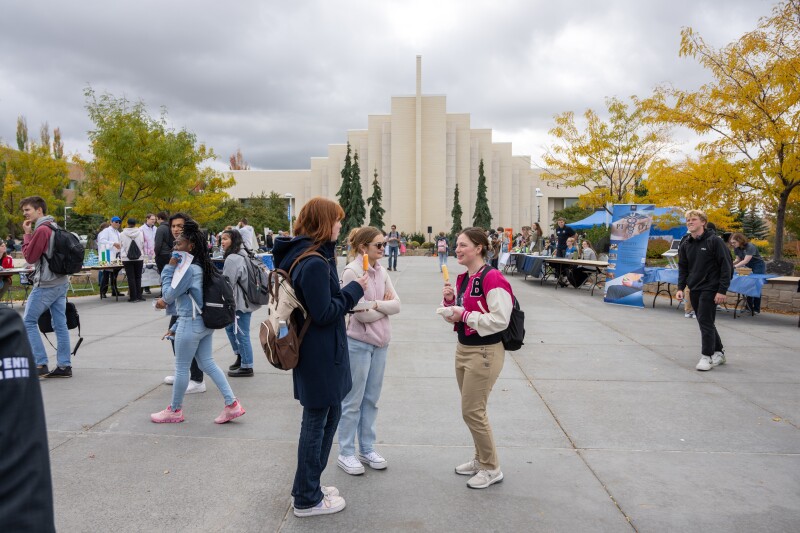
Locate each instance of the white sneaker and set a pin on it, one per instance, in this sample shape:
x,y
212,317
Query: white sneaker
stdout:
x,y
350,464
718,358
374,460
468,469
169,380
326,491
484,478
704,363
195,387
328,505
690,314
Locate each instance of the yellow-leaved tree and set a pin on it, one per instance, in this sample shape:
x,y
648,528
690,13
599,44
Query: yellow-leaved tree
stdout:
x,y
608,158
750,112
141,166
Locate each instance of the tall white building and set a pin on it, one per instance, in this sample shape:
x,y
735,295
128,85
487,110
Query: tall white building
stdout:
x,y
420,152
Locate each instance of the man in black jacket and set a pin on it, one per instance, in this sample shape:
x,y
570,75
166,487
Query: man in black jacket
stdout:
x,y
163,241
26,491
705,269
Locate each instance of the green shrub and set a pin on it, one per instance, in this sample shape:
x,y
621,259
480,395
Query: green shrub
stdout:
x,y
419,237
656,247
413,245
427,245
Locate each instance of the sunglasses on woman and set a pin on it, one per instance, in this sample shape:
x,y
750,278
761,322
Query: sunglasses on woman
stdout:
x,y
378,245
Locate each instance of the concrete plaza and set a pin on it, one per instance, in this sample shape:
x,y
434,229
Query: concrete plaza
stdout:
x,y
602,423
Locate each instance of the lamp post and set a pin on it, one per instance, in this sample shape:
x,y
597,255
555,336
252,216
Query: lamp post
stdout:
x,y
65,216
538,207
289,197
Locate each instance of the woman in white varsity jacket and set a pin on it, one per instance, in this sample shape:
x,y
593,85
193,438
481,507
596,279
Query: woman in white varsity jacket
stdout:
x,y
481,304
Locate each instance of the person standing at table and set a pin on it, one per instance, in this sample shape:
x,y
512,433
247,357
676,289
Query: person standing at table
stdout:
x,y
108,239
705,269
49,289
747,255
563,232
149,235
132,242
162,243
6,262
481,310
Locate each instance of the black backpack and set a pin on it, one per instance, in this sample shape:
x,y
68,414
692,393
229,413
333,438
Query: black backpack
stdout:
x,y
73,321
257,289
219,307
514,335
66,257
134,252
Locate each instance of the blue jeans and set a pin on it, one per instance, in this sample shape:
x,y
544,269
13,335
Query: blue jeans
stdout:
x,y
316,439
39,300
360,406
393,252
240,338
442,260
193,341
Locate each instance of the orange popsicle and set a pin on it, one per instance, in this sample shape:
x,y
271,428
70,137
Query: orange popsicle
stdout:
x,y
366,262
445,273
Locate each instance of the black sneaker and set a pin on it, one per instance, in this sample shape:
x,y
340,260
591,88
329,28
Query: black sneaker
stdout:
x,y
241,372
42,370
237,364
60,372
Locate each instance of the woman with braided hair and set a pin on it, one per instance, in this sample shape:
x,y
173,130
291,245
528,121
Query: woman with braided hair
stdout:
x,y
192,337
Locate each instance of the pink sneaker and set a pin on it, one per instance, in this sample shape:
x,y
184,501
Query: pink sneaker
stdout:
x,y
234,410
167,415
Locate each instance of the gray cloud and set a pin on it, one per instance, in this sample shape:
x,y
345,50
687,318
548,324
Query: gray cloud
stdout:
x,y
282,80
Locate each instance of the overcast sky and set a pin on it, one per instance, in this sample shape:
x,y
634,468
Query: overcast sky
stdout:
x,y
282,80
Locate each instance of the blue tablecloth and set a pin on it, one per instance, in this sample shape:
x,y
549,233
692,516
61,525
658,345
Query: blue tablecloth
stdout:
x,y
267,260
532,266
750,285
663,275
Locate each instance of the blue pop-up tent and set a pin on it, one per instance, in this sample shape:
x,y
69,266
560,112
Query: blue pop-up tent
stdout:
x,y
599,217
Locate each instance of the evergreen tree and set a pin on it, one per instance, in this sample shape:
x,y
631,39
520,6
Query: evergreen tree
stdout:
x,y
22,134
753,226
344,189
456,214
482,218
376,211
357,210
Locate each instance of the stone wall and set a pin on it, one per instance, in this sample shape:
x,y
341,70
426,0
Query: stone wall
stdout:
x,y
774,296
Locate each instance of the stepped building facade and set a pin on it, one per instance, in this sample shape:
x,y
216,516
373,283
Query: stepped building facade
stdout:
x,y
420,152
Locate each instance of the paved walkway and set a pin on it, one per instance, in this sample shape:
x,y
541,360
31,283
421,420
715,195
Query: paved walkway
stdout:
x,y
602,422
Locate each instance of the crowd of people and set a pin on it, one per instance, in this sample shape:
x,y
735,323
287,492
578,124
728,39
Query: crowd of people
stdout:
x,y
343,356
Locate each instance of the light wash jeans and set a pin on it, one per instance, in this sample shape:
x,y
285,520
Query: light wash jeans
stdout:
x,y
360,406
393,252
442,260
39,300
240,338
193,340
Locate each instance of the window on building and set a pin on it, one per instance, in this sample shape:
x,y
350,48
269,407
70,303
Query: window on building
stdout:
x,y
569,202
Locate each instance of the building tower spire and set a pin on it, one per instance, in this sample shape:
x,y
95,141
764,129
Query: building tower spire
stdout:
x,y
419,147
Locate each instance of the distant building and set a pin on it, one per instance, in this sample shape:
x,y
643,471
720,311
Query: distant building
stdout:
x,y
420,152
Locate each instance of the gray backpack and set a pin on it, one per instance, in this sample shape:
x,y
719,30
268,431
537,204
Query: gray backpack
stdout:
x,y
257,290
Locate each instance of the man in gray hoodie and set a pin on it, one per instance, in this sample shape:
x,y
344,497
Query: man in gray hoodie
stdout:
x,y
49,289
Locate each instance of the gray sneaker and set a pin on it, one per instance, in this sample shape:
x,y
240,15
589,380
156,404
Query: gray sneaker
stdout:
x,y
468,469
718,358
484,478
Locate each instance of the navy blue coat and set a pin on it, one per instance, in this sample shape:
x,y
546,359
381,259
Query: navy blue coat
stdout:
x,y
322,377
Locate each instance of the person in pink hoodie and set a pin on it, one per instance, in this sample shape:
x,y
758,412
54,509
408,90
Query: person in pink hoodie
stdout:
x,y
368,336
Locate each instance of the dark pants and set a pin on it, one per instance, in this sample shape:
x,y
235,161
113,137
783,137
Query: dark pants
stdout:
x,y
754,304
705,311
393,252
161,262
195,374
109,275
133,271
316,439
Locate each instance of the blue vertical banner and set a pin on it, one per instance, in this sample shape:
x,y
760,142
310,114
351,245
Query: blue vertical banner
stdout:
x,y
630,231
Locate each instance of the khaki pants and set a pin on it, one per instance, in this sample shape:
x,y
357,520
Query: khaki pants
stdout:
x,y
477,368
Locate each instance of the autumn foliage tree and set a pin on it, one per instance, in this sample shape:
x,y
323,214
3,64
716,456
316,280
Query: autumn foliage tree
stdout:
x,y
237,161
607,158
140,165
750,111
